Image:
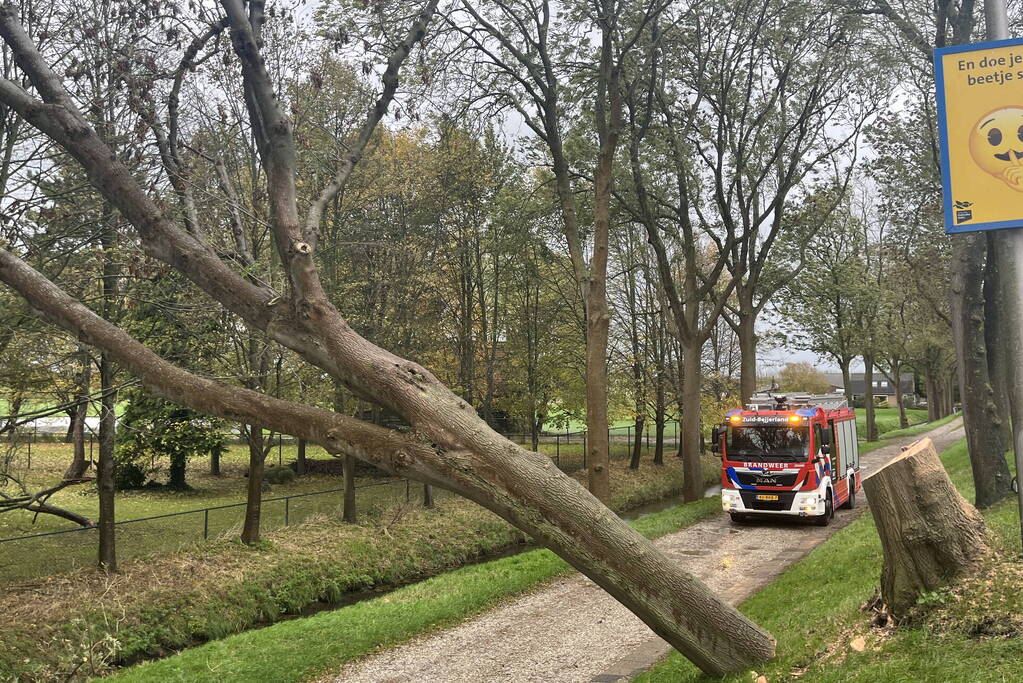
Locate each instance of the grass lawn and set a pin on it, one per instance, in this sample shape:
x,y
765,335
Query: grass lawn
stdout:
x,y
173,600
300,649
918,429
67,551
949,640
888,420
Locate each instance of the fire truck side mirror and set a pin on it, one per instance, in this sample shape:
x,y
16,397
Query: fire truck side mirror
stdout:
x,y
715,440
825,449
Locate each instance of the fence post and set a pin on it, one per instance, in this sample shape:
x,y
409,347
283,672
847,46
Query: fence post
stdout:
x,y
287,500
30,440
206,524
557,451
408,490
280,449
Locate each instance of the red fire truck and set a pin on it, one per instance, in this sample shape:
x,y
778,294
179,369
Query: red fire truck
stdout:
x,y
789,456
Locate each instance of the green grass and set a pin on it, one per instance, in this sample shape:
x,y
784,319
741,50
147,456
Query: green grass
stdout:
x,y
173,600
297,650
43,556
916,430
887,420
815,630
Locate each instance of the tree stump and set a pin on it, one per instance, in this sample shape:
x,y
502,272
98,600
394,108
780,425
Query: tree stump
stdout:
x,y
929,533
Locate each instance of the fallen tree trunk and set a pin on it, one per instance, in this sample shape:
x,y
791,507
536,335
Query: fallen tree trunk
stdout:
x,y
449,446
929,533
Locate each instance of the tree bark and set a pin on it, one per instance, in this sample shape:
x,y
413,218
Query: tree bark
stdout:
x,y
660,416
349,513
689,444
981,418
868,396
215,462
929,533
931,387
747,355
254,490
300,464
78,466
176,472
844,364
598,456
637,442
105,466
897,378
996,334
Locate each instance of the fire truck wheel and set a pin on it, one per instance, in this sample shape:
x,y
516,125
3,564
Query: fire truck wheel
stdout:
x,y
737,517
851,503
829,512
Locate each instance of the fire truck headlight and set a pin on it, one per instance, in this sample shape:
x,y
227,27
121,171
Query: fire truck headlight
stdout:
x,y
808,503
729,500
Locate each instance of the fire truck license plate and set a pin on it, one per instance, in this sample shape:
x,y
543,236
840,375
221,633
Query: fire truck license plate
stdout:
x,y
767,496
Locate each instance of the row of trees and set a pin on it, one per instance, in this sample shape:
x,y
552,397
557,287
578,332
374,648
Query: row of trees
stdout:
x,y
558,208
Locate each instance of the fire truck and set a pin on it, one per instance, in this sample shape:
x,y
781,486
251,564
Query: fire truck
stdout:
x,y
794,456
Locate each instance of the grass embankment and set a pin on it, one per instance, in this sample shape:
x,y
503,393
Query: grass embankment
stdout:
x,y
301,649
972,631
888,420
167,602
919,429
65,552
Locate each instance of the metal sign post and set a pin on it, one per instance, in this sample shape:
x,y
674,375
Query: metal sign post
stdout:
x,y
980,119
1010,242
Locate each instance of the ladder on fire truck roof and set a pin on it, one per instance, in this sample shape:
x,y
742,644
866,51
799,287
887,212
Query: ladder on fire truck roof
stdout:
x,y
784,402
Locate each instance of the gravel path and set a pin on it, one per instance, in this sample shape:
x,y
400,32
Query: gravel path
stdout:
x,y
571,630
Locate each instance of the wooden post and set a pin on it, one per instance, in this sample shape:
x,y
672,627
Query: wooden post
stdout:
x,y
929,533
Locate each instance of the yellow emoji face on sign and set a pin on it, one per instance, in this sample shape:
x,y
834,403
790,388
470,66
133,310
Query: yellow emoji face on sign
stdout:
x,y
996,144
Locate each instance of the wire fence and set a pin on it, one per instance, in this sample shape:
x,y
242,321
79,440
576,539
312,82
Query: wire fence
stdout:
x,y
33,556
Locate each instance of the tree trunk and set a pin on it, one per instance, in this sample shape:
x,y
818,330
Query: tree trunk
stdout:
x,y
897,374
459,451
300,464
951,382
105,466
929,533
689,444
215,462
637,442
868,396
598,457
524,488
660,410
78,466
747,356
995,336
254,494
534,429
981,417
176,478
349,514
844,364
931,387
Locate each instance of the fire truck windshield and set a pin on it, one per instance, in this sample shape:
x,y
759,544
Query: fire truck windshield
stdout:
x,y
779,443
